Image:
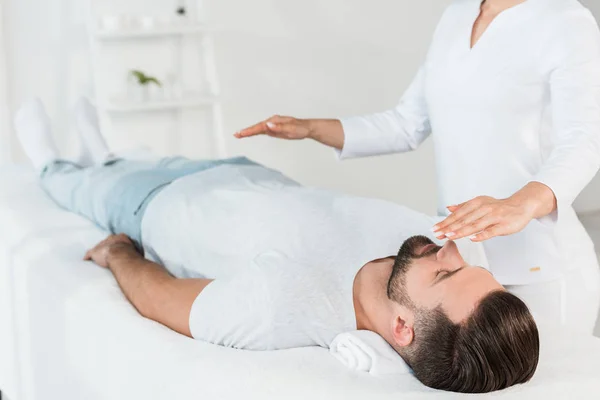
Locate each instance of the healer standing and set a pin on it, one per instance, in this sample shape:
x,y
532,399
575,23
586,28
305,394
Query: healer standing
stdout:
x,y
510,93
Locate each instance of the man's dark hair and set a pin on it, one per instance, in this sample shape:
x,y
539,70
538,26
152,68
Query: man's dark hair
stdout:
x,y
496,347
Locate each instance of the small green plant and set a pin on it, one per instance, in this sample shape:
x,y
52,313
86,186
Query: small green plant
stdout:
x,y
144,79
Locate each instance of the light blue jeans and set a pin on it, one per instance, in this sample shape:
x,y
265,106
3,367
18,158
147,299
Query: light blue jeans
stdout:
x,y
115,195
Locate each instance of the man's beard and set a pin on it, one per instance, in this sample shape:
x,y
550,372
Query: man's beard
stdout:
x,y
407,254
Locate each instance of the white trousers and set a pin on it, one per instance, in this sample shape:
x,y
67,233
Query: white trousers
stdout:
x,y
572,302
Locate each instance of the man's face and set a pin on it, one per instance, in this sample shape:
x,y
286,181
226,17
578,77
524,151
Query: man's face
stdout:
x,y
435,276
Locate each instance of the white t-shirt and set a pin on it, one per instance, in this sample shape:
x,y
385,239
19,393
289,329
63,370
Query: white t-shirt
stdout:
x,y
284,257
522,105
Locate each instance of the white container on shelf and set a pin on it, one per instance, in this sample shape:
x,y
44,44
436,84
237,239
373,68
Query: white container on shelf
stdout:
x,y
111,23
147,22
131,86
141,94
136,92
155,92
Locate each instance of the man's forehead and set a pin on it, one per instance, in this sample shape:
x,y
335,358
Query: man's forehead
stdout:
x,y
458,291
462,292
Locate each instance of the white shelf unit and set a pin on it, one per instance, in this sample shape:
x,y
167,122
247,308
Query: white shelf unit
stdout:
x,y
158,31
124,106
108,106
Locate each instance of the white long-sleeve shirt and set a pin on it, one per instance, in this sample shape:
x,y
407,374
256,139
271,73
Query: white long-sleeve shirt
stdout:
x,y
522,105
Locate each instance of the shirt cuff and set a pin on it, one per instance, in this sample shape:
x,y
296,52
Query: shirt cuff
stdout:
x,y
552,219
356,142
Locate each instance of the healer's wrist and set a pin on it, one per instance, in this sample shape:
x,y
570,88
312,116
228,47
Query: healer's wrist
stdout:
x,y
536,199
311,126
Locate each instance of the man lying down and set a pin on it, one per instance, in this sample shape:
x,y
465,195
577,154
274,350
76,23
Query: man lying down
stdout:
x,y
247,258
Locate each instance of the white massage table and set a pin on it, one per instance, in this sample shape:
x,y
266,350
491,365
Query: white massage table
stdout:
x,y
67,332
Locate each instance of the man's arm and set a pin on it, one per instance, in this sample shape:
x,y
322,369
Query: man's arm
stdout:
x,y
149,287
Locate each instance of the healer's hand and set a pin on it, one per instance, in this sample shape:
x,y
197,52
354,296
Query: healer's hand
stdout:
x,y
279,127
102,252
484,217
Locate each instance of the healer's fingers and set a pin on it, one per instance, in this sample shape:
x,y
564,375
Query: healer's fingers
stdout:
x,y
453,209
452,230
468,207
476,227
280,125
258,129
456,206
267,127
491,232
275,127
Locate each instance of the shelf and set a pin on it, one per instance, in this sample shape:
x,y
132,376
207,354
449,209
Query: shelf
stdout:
x,y
159,31
164,105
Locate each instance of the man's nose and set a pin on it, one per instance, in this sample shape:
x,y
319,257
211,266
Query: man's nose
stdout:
x,y
448,252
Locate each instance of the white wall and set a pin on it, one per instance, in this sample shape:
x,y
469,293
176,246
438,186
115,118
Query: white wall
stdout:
x,y
326,59
5,139
47,56
590,198
309,58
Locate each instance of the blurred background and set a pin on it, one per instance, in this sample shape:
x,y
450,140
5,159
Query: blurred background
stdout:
x,y
309,58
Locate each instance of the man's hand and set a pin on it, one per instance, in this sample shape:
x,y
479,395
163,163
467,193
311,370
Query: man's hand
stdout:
x,y
103,251
279,127
483,218
148,286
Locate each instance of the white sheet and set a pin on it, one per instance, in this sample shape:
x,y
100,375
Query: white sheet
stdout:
x,y
77,337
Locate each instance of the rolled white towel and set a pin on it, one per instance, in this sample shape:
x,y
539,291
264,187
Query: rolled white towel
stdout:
x,y
367,351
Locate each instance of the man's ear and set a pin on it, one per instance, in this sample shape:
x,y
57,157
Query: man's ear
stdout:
x,y
403,332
